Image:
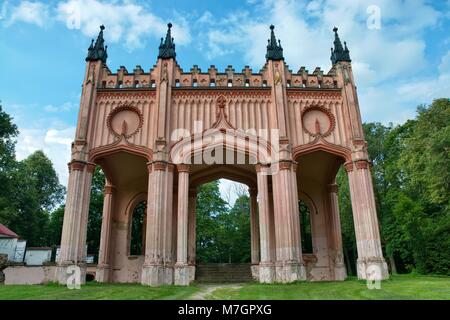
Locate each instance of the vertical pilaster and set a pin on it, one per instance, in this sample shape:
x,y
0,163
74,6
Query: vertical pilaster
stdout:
x,y
73,238
181,266
153,268
103,266
370,263
254,226
289,265
192,232
266,266
254,232
337,256
169,260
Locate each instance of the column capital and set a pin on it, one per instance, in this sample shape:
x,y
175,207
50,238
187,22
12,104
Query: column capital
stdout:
x,y
183,167
159,165
90,167
362,164
284,165
170,167
76,165
109,189
348,166
261,166
358,164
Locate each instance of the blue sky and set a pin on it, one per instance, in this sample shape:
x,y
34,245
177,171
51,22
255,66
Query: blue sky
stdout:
x,y
403,63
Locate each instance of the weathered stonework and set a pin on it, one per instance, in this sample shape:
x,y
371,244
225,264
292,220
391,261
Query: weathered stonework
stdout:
x,y
154,132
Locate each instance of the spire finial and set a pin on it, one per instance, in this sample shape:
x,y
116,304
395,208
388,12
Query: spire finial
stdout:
x,y
274,49
167,48
339,53
98,51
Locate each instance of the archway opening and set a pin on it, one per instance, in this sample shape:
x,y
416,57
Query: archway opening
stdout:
x,y
305,226
138,226
222,223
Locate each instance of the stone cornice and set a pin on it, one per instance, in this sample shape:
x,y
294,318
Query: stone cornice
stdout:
x,y
318,93
113,94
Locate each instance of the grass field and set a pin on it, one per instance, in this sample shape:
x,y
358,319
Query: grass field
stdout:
x,y
398,287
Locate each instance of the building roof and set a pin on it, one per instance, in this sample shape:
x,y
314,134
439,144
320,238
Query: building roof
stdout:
x,y
5,232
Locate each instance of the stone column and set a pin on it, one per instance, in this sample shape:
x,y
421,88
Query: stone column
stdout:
x,y
370,263
169,260
103,266
153,268
192,232
181,267
73,238
266,266
335,235
289,265
254,232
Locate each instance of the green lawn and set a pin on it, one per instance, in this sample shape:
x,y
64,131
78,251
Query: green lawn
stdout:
x,y
95,291
398,287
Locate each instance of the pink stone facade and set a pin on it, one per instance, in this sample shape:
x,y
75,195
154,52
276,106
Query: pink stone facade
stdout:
x,y
154,133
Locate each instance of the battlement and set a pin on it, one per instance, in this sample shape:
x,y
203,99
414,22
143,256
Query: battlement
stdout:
x,y
215,78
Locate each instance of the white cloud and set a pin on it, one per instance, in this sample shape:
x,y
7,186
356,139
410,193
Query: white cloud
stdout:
x,y
55,143
123,20
30,12
382,59
67,106
4,10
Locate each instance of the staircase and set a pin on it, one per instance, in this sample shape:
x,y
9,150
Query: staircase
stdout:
x,y
223,272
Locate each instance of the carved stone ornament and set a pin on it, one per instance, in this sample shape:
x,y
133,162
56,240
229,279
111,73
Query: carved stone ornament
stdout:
x,y
125,121
318,121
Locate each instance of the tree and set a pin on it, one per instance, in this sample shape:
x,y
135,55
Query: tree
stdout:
x,y
8,131
36,192
236,235
210,206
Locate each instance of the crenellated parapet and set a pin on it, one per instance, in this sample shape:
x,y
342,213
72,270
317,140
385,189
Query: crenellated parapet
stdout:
x,y
213,78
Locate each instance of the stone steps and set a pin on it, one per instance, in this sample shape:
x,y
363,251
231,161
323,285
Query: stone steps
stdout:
x,y
223,272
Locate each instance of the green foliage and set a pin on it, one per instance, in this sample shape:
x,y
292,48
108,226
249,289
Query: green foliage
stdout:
x,y
8,131
30,189
223,234
137,229
411,174
35,191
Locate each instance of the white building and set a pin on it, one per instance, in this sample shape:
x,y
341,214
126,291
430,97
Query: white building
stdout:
x,y
11,245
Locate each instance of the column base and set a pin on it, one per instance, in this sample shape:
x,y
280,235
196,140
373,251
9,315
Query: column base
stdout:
x,y
287,272
340,273
266,273
168,275
102,273
152,275
66,273
191,273
372,268
255,272
181,275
